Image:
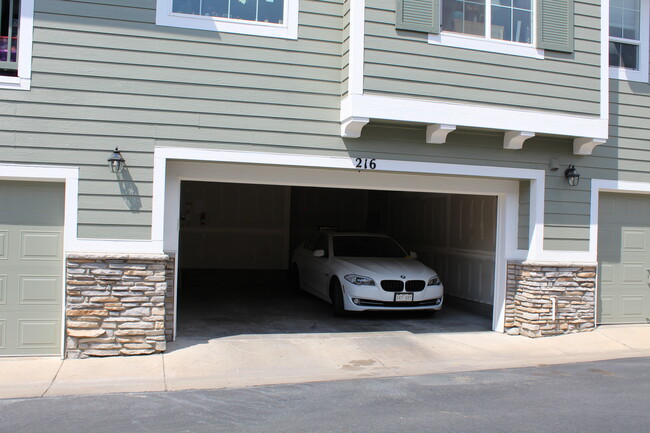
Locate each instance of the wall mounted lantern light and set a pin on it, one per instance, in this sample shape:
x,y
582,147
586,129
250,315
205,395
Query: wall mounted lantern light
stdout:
x,y
572,176
116,162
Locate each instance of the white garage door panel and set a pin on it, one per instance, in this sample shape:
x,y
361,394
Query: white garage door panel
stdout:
x,y
3,332
38,334
624,258
40,245
31,268
39,290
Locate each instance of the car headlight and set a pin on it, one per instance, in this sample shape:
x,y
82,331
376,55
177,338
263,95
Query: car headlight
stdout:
x,y
360,280
434,281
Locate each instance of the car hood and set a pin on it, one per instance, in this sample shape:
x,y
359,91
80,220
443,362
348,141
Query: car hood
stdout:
x,y
386,267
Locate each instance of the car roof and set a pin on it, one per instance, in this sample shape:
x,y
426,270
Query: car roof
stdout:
x,y
365,234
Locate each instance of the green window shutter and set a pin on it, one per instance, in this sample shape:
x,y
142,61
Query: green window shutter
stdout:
x,y
555,25
418,15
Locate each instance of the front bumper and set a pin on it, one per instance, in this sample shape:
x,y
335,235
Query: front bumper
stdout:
x,y
366,298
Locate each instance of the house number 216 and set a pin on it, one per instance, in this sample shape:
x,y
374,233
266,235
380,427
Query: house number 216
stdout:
x,y
365,163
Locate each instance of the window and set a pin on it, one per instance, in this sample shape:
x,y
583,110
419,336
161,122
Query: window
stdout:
x,y
515,27
15,43
628,39
9,37
272,18
267,11
505,20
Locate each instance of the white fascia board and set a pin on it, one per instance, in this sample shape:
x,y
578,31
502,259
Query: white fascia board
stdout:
x,y
71,242
604,62
471,115
25,37
475,180
603,185
357,47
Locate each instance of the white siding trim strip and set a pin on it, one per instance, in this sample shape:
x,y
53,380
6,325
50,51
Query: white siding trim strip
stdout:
x,y
176,164
602,185
73,244
604,60
289,30
357,47
476,116
164,216
24,79
489,45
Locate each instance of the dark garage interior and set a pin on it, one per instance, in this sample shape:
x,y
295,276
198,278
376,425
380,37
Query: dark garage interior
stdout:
x,y
236,242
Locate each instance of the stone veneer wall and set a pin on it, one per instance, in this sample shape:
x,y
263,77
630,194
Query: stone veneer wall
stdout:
x,y
170,268
531,289
115,304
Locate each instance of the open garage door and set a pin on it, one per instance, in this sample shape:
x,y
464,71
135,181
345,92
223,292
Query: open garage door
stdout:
x,y
236,242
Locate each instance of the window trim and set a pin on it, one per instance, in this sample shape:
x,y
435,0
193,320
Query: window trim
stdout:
x,y
25,38
641,74
288,30
485,43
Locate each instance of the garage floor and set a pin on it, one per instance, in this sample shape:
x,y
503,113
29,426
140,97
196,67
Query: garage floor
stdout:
x,y
254,303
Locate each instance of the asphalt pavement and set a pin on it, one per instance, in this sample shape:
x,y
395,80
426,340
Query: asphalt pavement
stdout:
x,y
592,397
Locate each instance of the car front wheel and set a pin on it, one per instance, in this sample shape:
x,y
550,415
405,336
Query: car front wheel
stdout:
x,y
336,296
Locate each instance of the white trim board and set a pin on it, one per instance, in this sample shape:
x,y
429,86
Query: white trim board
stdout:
x,y
172,165
358,104
70,178
469,115
72,243
287,30
603,185
25,39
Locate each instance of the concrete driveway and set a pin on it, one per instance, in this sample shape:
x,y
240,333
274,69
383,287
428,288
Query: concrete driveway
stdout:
x,y
248,360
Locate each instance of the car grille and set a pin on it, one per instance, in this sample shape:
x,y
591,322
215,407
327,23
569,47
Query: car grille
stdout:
x,y
398,285
414,286
392,285
373,303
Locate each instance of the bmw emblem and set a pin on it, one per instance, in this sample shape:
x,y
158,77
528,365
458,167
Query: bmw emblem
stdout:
x,y
403,277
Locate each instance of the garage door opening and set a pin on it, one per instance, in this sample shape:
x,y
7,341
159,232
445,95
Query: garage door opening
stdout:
x,y
236,242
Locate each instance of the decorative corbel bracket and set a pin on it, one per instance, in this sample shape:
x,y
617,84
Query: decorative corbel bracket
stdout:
x,y
514,140
585,145
352,126
437,132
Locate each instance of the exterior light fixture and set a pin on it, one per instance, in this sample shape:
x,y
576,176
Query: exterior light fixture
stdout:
x,y
572,176
116,162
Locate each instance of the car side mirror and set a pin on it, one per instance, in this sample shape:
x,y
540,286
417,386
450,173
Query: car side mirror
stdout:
x,y
413,255
319,253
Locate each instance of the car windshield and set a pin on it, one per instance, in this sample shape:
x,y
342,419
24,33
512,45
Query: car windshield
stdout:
x,y
366,246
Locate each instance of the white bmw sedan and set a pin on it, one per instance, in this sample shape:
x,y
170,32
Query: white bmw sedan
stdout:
x,y
360,271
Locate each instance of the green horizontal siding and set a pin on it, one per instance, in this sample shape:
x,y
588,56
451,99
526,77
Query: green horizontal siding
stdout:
x,y
404,64
105,75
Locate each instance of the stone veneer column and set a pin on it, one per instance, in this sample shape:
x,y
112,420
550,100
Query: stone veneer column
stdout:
x,y
549,299
170,268
115,304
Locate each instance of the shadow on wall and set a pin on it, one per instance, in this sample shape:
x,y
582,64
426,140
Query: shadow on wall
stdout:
x,y
129,191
